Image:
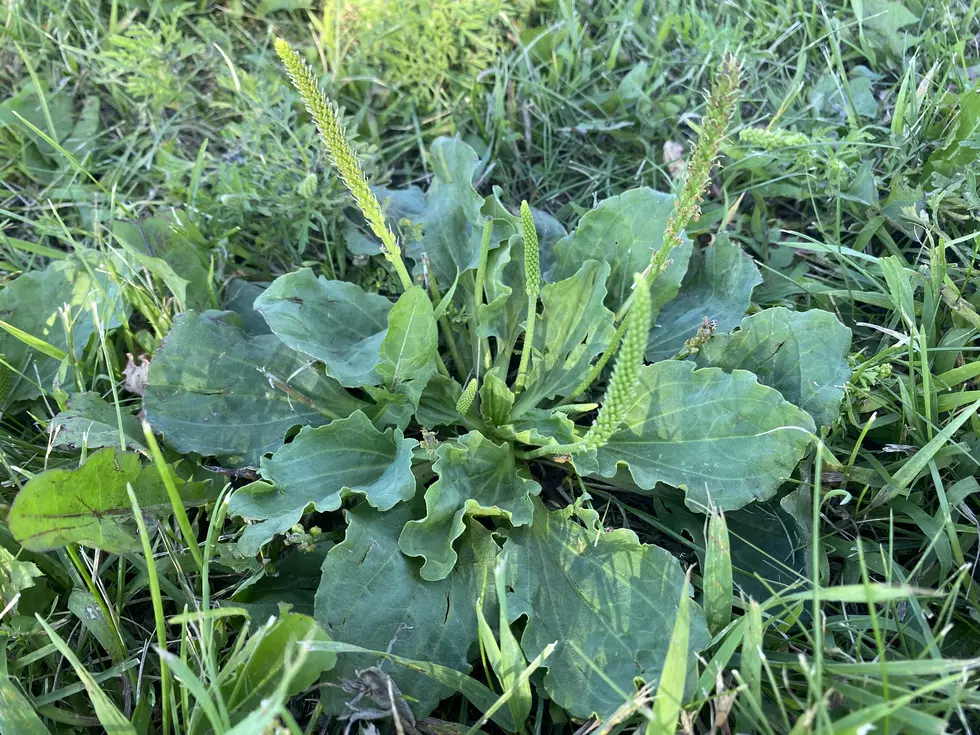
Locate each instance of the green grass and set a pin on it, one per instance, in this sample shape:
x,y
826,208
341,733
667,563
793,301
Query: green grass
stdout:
x,y
856,602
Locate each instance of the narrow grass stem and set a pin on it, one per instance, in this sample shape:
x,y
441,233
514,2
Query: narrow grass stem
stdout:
x,y
157,599
183,522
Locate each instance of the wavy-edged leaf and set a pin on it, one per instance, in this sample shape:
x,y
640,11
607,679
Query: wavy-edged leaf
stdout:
x,y
476,478
371,595
573,328
338,323
802,354
722,437
605,598
215,391
450,231
90,421
89,505
624,231
718,288
321,467
31,302
408,350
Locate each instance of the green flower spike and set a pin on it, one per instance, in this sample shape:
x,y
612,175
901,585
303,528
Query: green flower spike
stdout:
x,y
626,373
466,398
532,284
342,155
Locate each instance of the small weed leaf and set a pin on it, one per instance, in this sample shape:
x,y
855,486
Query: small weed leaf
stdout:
x,y
803,355
90,421
476,478
31,304
335,322
722,437
214,391
608,600
321,467
371,595
58,507
718,290
171,248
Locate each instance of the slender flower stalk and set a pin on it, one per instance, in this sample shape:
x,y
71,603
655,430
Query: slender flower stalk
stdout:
x,y
687,206
342,156
532,284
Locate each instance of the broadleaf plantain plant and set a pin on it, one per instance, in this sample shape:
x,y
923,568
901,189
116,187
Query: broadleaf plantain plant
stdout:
x,y
442,423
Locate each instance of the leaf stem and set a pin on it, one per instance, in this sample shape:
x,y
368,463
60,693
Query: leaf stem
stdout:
x,y
481,345
446,328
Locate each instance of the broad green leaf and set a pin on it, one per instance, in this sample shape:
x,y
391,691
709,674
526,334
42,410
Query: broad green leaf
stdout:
x,y
718,288
255,673
722,437
450,225
90,421
371,595
538,427
89,505
15,577
31,304
408,350
214,391
573,328
802,354
336,322
624,231
475,691
171,248
609,601
476,478
321,467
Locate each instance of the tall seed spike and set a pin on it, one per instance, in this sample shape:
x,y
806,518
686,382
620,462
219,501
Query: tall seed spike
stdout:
x,y
342,156
626,373
532,284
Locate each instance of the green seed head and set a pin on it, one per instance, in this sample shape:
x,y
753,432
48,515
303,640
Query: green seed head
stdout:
x,y
332,133
532,268
622,387
466,398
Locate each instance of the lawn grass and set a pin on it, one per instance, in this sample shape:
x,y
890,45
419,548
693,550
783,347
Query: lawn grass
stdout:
x,y
848,175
